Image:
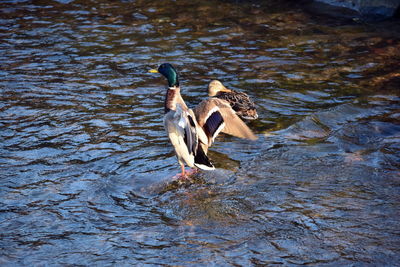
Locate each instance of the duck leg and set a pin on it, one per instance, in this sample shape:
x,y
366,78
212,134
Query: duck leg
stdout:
x,y
191,171
183,174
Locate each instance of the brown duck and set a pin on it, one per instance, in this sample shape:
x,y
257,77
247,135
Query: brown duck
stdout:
x,y
239,101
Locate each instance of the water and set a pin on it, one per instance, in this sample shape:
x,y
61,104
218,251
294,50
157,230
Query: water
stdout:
x,y
86,168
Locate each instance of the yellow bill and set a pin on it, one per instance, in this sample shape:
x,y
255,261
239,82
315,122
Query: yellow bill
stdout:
x,y
224,89
153,71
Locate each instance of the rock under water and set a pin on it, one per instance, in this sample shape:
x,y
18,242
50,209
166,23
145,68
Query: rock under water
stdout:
x,y
367,9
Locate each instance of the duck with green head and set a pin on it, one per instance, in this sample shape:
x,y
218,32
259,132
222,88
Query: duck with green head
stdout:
x,y
191,133
180,123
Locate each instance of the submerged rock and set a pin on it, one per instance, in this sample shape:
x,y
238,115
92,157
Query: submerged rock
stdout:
x,y
368,9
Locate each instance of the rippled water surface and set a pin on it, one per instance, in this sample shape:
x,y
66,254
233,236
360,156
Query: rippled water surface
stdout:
x,y
86,168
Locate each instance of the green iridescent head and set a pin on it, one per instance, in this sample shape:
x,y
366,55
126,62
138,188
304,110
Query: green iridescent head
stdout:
x,y
169,72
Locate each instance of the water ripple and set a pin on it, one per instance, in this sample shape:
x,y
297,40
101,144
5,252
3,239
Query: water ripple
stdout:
x,y
86,167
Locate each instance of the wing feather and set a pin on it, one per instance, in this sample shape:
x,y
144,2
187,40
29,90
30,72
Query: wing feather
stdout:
x,y
184,133
206,116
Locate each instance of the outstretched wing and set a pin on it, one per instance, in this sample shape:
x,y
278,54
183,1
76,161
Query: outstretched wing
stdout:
x,y
216,115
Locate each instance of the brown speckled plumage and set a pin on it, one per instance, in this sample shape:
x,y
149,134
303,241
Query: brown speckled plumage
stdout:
x,y
240,102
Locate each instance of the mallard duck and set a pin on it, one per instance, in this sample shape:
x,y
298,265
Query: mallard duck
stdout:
x,y
239,101
191,133
181,125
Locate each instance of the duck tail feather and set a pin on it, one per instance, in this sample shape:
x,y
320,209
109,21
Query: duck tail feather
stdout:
x,y
201,160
